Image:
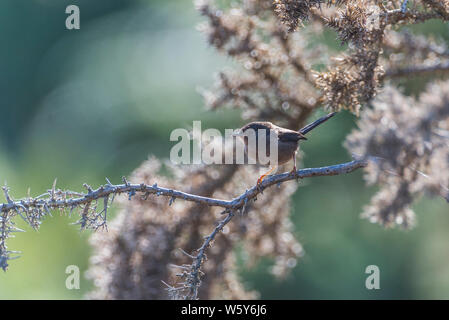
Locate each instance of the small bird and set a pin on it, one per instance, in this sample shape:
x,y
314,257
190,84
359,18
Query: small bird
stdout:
x,y
287,140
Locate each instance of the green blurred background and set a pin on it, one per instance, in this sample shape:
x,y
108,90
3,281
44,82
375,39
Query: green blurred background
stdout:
x,y
86,104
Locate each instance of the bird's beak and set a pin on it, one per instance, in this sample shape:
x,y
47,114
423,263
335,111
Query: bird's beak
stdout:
x,y
237,133
304,138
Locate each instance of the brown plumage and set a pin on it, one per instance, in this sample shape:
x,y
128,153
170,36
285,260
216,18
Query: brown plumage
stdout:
x,y
287,140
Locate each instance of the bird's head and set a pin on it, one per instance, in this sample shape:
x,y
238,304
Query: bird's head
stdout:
x,y
255,126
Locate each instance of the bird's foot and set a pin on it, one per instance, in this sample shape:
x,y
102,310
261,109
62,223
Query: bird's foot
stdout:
x,y
293,172
259,183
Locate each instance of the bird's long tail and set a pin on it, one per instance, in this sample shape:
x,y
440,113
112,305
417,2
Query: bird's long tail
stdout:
x,y
316,123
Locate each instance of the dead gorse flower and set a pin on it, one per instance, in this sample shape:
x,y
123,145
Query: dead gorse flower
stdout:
x,y
276,79
408,139
440,6
292,12
278,74
356,75
151,241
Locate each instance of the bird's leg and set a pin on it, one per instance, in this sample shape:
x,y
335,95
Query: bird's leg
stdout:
x,y
293,172
259,181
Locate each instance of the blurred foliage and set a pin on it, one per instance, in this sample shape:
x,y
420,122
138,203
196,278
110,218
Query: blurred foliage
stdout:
x,y
87,104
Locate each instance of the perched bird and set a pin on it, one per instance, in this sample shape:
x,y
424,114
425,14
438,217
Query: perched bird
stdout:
x,y
287,140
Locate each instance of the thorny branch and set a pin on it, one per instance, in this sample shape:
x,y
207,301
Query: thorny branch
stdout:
x,y
33,209
194,277
418,70
131,189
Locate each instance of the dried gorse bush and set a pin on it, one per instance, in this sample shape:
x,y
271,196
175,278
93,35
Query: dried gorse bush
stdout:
x,y
284,75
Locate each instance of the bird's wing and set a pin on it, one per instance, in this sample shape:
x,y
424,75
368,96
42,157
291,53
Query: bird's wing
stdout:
x,y
290,136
